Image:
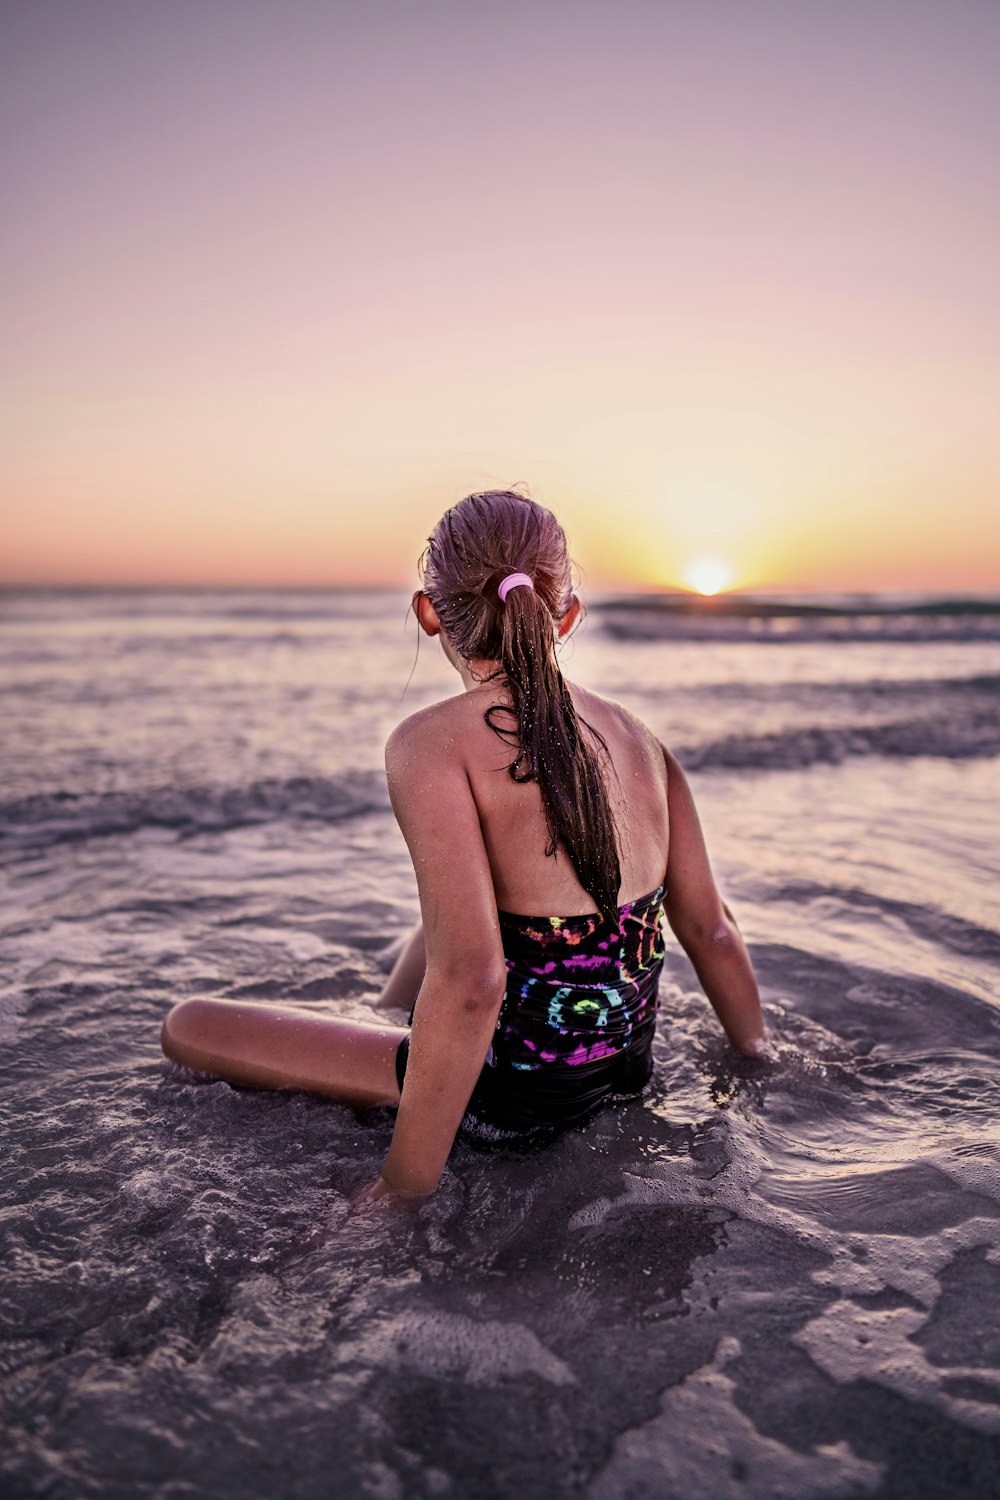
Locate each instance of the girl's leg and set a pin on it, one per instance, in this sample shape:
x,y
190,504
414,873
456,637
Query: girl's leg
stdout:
x,y
279,1047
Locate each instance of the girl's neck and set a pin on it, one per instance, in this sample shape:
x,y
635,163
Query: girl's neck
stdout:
x,y
475,673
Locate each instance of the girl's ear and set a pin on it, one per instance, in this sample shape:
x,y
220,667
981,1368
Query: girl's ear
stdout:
x,y
426,614
570,618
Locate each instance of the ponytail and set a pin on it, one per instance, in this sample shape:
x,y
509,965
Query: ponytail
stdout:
x,y
546,730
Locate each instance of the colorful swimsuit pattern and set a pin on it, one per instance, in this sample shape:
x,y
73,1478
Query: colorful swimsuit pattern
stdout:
x,y
577,1018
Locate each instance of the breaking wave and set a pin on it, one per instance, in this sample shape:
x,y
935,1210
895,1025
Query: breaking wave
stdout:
x,y
57,817
662,617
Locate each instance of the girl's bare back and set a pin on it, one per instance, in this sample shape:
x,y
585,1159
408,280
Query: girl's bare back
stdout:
x,y
512,817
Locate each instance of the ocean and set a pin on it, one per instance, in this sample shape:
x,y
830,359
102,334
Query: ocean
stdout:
x,y
756,1280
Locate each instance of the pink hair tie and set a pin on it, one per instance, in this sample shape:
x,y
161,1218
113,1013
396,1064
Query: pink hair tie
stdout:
x,y
513,581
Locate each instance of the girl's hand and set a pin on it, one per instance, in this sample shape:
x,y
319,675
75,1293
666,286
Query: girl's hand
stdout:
x,y
761,1048
369,1194
380,1189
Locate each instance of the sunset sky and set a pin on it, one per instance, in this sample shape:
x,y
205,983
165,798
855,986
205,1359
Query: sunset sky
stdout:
x,y
715,281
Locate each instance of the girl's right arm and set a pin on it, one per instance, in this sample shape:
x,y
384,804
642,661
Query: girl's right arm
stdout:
x,y
465,973
704,926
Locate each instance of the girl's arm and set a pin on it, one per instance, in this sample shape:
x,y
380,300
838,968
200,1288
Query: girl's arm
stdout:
x,y
465,973
400,989
704,926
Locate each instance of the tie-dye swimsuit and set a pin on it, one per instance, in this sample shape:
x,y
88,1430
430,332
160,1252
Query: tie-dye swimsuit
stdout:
x,y
577,1019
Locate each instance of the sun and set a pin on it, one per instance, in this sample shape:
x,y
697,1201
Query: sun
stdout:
x,y
708,575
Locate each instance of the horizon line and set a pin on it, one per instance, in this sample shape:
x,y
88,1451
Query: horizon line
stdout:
x,y
677,591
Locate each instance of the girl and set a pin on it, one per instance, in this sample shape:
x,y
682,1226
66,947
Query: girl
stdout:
x,y
524,794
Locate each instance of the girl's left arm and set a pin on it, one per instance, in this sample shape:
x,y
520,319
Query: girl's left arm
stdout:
x,y
401,987
465,974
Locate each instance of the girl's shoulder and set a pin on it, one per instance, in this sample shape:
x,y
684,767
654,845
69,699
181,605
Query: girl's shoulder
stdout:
x,y
454,724
627,721
434,723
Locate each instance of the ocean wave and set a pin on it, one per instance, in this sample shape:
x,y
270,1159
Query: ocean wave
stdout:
x,y
738,618
959,736
42,819
926,921
58,817
869,689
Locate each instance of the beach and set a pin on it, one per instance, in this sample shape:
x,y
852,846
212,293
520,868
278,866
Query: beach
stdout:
x,y
756,1280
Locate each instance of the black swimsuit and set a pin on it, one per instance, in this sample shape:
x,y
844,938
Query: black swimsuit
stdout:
x,y
577,1019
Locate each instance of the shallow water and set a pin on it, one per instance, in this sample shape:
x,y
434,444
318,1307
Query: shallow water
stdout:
x,y
757,1280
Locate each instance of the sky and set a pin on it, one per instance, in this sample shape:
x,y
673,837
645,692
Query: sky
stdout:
x,y
716,282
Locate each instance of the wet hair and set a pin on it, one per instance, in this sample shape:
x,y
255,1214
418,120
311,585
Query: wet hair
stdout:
x,y
472,548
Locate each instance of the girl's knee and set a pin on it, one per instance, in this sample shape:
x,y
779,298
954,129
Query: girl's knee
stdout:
x,y
183,1027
